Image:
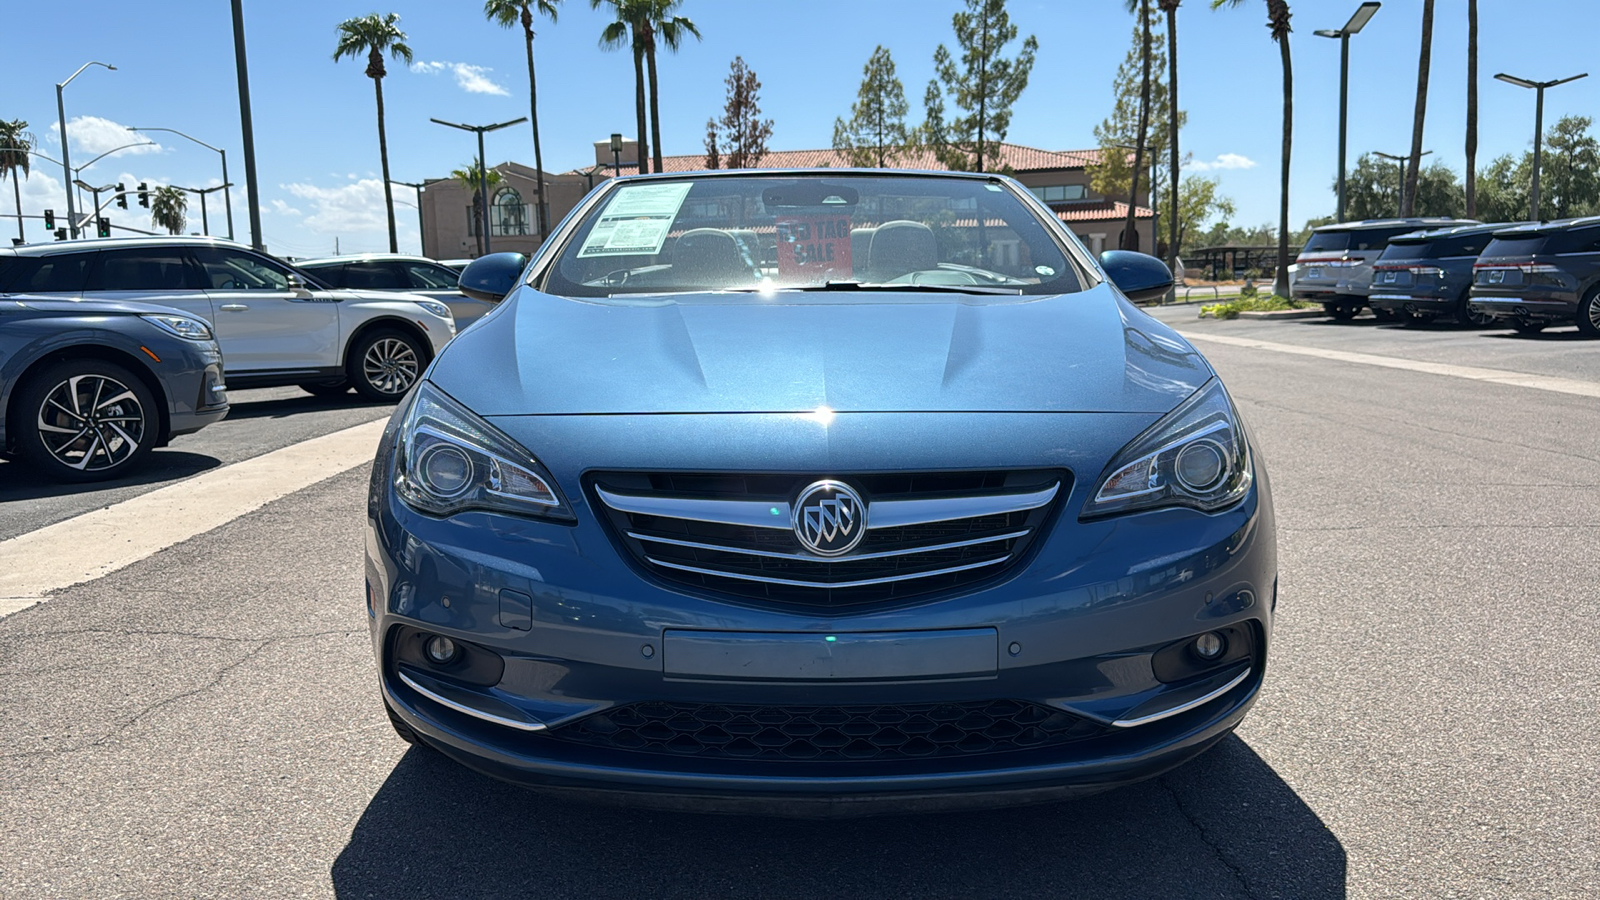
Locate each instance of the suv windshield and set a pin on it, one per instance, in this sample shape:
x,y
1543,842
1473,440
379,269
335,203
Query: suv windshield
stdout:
x,y
776,232
1359,239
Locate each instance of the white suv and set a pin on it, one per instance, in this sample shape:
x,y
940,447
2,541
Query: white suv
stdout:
x,y
276,324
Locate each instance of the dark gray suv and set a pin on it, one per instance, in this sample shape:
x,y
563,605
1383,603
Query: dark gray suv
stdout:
x,y
1541,274
1334,268
1427,274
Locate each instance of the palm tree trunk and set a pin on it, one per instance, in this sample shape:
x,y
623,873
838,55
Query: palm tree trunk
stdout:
x,y
383,157
1172,105
638,107
1472,109
538,157
1280,285
1130,237
655,108
1408,202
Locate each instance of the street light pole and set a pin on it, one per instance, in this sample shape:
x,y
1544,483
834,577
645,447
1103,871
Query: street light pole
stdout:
x,y
66,154
1399,161
227,199
616,155
421,237
483,173
252,195
1538,88
1357,21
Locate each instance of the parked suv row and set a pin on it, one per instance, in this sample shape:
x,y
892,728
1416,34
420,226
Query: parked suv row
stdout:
x,y
1335,266
1424,275
1541,274
276,325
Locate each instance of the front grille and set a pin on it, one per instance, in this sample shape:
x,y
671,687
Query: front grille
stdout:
x,y
730,534
828,733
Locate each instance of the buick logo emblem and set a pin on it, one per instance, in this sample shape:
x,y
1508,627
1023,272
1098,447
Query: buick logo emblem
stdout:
x,y
830,518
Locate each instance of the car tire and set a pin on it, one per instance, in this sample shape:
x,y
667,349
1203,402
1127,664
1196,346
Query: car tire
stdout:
x,y
1331,309
401,728
111,438
384,364
1524,326
1589,313
327,388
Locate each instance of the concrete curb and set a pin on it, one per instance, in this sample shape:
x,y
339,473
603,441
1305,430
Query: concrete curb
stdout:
x,y
1312,313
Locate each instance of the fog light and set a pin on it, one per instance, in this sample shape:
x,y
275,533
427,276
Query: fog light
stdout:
x,y
1207,646
441,650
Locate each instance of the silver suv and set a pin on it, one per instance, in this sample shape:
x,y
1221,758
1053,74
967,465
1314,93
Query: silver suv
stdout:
x,y
1335,266
276,324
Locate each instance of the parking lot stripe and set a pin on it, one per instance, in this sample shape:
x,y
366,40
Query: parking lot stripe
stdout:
x,y
98,543
1474,373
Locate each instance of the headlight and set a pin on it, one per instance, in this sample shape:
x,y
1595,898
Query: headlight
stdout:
x,y
181,326
1195,456
450,460
437,308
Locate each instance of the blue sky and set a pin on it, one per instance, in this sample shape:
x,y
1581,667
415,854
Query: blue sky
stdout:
x,y
316,141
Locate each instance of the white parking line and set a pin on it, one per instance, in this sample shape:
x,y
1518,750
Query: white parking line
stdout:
x,y
98,543
1474,373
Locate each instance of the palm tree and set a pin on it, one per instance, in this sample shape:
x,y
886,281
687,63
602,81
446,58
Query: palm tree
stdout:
x,y
1278,23
663,22
507,13
1472,109
167,208
15,145
375,35
1408,201
1130,237
467,177
628,29
1170,7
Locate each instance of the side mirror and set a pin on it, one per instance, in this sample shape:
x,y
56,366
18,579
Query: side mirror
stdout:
x,y
490,278
298,286
1139,276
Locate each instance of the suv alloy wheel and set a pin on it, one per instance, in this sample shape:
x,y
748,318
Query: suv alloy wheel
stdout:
x,y
385,364
85,420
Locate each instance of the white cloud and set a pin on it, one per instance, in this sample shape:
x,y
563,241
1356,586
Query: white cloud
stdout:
x,y
470,78
284,209
94,135
353,207
1223,161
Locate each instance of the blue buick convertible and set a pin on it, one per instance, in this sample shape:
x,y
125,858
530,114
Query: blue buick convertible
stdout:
x,y
819,492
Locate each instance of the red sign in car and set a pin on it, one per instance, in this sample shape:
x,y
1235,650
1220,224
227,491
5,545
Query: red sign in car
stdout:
x,y
814,249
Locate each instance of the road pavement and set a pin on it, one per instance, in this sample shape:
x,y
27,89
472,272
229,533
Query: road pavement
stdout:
x,y
205,722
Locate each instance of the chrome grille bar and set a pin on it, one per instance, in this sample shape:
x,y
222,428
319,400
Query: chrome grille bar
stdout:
x,y
880,514
807,557
795,582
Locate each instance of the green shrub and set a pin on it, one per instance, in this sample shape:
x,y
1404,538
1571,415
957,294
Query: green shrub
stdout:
x,y
1250,301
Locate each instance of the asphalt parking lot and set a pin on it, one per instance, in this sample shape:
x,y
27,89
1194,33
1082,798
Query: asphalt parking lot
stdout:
x,y
205,721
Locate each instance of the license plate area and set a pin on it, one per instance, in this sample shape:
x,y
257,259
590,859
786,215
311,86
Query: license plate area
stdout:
x,y
863,656
1313,273
1497,276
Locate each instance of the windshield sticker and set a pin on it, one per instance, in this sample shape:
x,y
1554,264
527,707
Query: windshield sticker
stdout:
x,y
636,221
814,249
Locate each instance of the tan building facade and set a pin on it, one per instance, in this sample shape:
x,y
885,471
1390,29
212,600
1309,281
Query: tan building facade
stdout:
x,y
1059,178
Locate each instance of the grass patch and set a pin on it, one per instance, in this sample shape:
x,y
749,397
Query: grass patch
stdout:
x,y
1250,300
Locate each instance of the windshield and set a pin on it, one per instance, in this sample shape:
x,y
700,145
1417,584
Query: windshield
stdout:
x,y
776,232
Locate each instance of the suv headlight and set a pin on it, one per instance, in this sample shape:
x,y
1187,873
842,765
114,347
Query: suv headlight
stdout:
x,y
437,308
1195,456
450,460
181,326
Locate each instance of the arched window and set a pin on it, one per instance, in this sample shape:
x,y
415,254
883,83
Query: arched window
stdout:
x,y
508,215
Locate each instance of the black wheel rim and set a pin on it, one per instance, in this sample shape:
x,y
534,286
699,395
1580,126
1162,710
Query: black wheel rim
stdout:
x,y
390,365
91,423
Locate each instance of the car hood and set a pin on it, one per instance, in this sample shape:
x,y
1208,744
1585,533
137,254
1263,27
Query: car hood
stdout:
x,y
89,307
796,352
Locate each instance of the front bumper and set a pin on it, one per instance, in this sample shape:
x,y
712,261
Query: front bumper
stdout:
x,y
191,376
1076,627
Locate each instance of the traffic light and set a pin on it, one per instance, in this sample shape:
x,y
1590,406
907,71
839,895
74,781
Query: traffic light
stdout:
x,y
144,195
102,227
122,198
61,234
49,220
